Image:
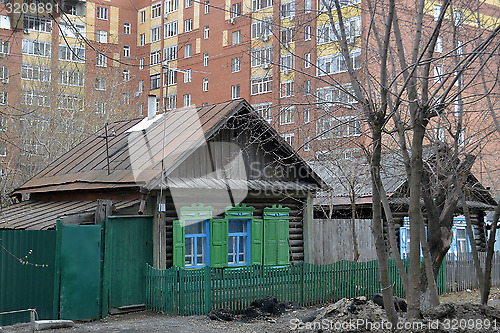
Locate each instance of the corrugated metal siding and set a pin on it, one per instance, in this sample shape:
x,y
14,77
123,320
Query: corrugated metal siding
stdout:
x,y
28,283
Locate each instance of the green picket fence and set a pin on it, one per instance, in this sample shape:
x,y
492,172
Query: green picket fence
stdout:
x,y
197,291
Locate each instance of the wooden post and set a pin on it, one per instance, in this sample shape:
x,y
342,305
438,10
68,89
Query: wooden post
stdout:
x,y
160,236
103,210
308,230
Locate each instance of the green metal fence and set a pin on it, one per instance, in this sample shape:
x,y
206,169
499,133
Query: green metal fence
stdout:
x,y
27,266
188,291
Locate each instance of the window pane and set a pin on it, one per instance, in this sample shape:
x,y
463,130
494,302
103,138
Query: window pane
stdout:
x,y
232,250
195,227
237,226
200,249
189,258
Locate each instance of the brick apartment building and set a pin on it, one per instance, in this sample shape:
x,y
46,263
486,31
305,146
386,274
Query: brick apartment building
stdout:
x,y
96,61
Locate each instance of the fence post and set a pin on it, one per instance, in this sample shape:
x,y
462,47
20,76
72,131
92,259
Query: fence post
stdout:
x,y
208,290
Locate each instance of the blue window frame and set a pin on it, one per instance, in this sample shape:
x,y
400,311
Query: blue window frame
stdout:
x,y
197,244
238,242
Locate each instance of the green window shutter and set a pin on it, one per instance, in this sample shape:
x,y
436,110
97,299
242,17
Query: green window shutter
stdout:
x,y
282,230
179,244
218,242
257,235
270,242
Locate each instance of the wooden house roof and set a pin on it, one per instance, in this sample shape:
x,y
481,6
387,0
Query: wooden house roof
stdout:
x,y
136,151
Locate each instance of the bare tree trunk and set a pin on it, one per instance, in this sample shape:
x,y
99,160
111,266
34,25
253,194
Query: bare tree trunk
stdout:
x,y
416,219
430,294
485,292
377,229
353,226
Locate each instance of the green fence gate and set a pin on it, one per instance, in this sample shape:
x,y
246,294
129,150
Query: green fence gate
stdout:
x,y
27,266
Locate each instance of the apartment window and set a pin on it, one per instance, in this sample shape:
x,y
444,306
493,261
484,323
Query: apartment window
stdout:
x,y
36,98
126,75
171,6
3,121
170,78
188,25
437,12
236,37
35,23
100,83
142,39
4,100
100,107
101,60
70,9
3,152
439,45
288,9
261,4
205,84
335,63
288,138
155,57
438,73
286,89
307,60
126,28
286,63
236,64
156,10
459,48
206,32
37,48
102,13
286,115
4,21
307,6
287,35
155,81
126,98
126,51
188,51
31,72
461,138
187,100
205,59
329,128
265,111
155,34
4,47
352,27
142,16
261,85
170,53
307,87
207,7
141,109
73,30
189,3
262,56
141,86
141,63
457,18
187,76
457,107
71,53
262,28
235,91
101,36
307,32
332,95
307,144
236,10
170,101
171,29
307,116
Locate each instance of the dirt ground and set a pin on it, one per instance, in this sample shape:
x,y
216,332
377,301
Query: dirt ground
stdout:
x,y
354,315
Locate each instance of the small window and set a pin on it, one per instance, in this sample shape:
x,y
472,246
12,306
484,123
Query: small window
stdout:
x,y
101,36
142,39
236,10
206,32
307,33
188,51
187,76
236,37
155,34
126,75
205,59
141,63
235,91
188,25
307,87
102,13
187,100
238,242
207,7
100,83
141,86
205,84
236,65
101,60
439,45
156,10
126,28
437,12
307,60
307,144
307,116
196,238
142,16
154,81
189,3
126,51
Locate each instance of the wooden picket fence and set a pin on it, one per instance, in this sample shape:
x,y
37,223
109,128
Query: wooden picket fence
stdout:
x,y
198,291
461,274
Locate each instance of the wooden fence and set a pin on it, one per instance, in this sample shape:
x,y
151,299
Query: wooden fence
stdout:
x,y
334,240
197,291
461,274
